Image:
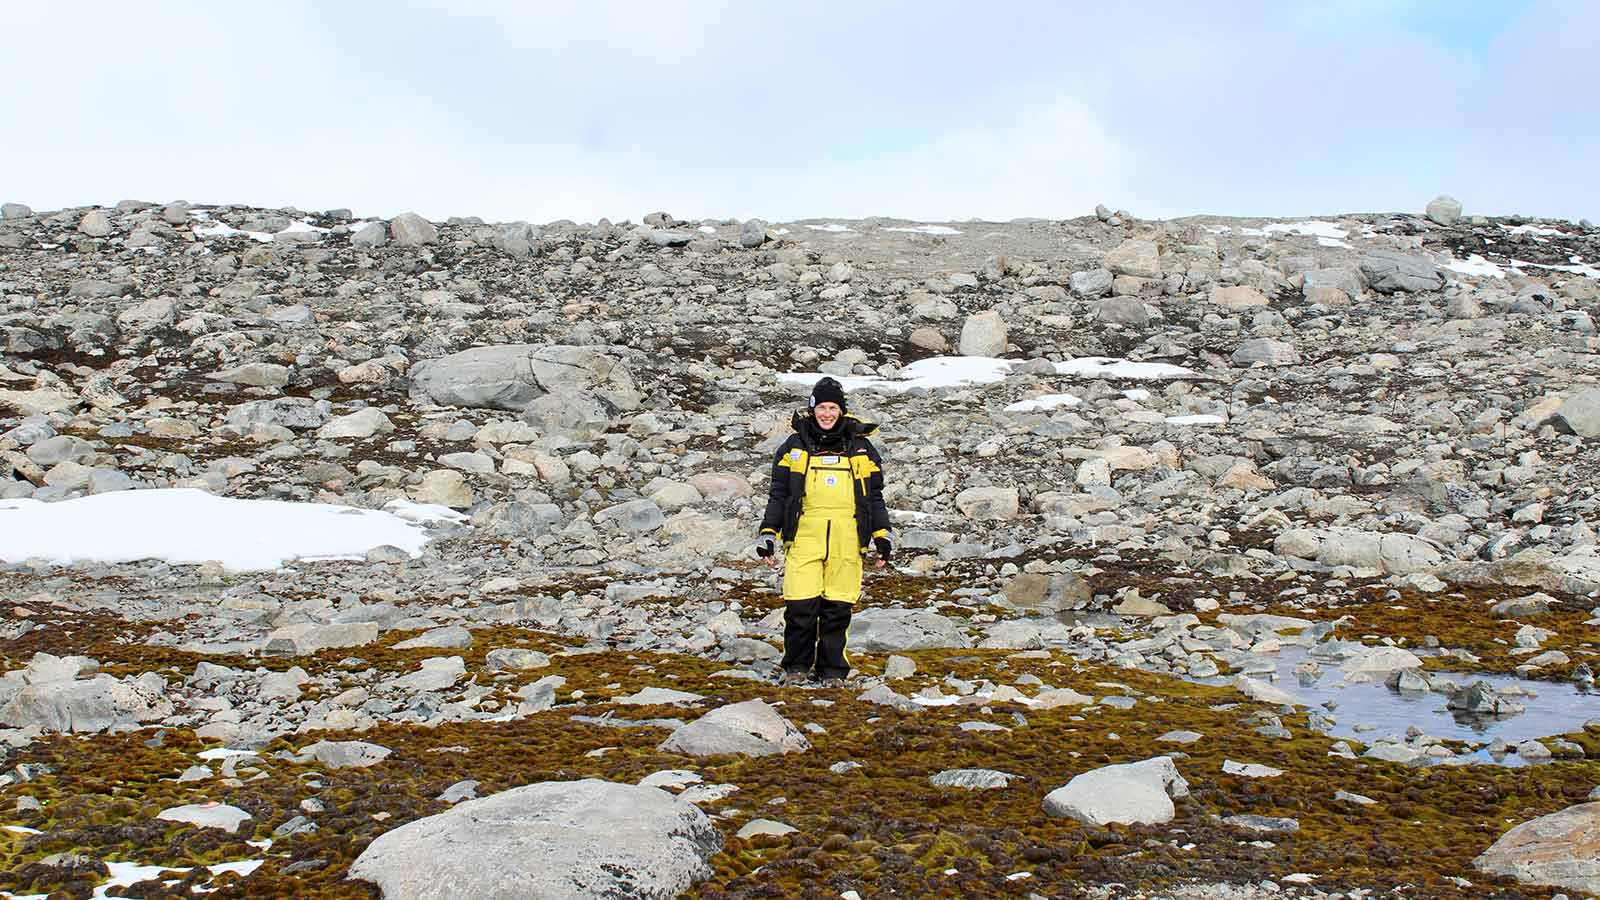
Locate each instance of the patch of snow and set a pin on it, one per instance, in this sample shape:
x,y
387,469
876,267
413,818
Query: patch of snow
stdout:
x,y
1044,402
835,227
216,753
222,229
934,372
21,829
1531,229
242,868
926,229
1578,267
184,525
124,874
1107,367
1137,395
303,226
707,229
1327,234
1475,265
1196,419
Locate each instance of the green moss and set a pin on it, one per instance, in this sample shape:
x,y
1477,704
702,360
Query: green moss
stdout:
x,y
882,830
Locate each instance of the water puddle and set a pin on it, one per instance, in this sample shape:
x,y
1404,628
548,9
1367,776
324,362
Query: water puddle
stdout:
x,y
1551,708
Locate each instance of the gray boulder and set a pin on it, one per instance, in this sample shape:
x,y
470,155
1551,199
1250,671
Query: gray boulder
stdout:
x,y
1123,311
256,374
1138,793
447,637
519,518
1393,553
411,230
1048,592
751,728
1579,414
1560,850
10,211
556,840
510,376
346,754
894,630
516,239
1091,283
636,516
309,637
372,234
363,423
1339,278
989,502
983,334
298,413
571,413
1444,210
1267,352
1390,272
752,234
1141,259
87,705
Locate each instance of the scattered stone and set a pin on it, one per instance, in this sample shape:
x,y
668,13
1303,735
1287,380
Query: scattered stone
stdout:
x,y
750,728
1137,793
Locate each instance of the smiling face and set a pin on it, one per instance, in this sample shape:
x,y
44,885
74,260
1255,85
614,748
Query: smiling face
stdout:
x,y
827,414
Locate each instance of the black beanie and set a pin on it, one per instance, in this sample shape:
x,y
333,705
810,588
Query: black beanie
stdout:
x,y
828,390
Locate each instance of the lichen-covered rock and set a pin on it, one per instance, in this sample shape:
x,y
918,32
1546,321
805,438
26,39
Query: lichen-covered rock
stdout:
x,y
1560,850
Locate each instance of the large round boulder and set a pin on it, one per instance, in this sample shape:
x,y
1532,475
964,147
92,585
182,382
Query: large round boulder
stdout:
x,y
555,839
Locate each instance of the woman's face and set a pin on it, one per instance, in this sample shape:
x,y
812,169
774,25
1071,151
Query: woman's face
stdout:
x,y
827,414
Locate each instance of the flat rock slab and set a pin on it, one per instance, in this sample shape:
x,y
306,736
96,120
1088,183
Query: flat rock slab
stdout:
x,y
893,630
756,827
1138,793
206,815
971,779
555,839
346,754
448,637
1560,850
652,696
751,728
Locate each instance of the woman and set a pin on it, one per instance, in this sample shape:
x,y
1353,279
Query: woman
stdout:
x,y
826,506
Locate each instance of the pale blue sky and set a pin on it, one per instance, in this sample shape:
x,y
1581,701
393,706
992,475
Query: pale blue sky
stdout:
x,y
922,109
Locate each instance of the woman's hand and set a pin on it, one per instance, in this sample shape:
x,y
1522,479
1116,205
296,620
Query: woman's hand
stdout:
x,y
767,549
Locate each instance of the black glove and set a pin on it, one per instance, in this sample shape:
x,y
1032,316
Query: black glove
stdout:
x,y
766,546
883,547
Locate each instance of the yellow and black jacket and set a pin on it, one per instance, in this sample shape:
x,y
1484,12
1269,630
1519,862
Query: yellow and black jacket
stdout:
x,y
786,497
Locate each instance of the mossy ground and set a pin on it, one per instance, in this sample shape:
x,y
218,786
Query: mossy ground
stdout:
x,y
882,829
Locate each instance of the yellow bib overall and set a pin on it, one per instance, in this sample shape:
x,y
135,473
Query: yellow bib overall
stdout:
x,y
824,559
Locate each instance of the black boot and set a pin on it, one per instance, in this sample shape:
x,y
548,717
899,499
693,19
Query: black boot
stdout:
x,y
800,635
833,625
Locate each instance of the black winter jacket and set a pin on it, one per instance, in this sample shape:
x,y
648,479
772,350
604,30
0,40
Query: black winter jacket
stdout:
x,y
786,496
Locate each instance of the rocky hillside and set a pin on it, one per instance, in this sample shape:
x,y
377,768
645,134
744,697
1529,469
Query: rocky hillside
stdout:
x,y
1131,464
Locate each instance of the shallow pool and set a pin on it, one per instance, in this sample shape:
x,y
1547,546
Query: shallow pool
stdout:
x,y
1552,708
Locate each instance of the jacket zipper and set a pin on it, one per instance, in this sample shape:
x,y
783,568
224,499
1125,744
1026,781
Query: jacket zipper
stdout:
x,y
827,538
